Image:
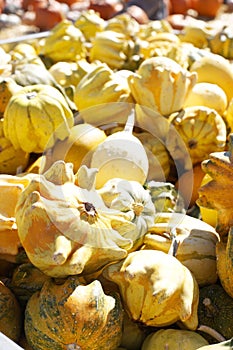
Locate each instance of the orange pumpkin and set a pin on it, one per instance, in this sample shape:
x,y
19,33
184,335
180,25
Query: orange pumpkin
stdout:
x,y
207,8
180,6
48,15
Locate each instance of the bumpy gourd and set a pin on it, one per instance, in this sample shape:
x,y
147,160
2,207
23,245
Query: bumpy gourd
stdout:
x,y
217,193
192,242
36,116
156,289
134,201
121,155
75,316
65,228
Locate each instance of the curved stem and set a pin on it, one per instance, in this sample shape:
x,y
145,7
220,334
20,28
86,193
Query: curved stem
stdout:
x,y
208,330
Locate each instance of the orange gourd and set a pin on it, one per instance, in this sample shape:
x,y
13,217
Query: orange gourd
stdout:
x,y
207,8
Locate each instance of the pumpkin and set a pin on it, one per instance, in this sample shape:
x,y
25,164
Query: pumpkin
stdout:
x,y
75,315
216,194
157,290
225,262
36,116
78,147
76,232
107,9
208,9
121,155
180,6
215,311
202,129
48,15
12,161
173,338
161,84
10,314
192,241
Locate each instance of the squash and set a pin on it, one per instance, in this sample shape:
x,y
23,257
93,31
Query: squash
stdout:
x,y
8,87
70,314
65,43
64,226
174,339
157,290
215,311
134,201
215,69
101,86
37,116
208,95
121,155
225,262
202,129
10,314
161,84
12,161
26,279
192,241
225,345
216,194
77,148
208,9
133,334
90,22
11,187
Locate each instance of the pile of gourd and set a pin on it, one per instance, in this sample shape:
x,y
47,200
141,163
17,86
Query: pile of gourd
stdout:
x,y
100,246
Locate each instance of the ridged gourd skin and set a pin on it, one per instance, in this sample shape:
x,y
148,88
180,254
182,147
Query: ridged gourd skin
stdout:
x,y
71,313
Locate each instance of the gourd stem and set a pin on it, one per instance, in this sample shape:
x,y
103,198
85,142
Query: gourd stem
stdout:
x,y
208,330
130,122
62,250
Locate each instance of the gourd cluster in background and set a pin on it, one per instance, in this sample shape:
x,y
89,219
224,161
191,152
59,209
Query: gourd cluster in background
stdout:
x,y
105,127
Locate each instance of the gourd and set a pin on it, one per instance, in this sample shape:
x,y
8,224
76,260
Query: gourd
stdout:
x,y
220,43
215,310
161,84
207,9
90,22
216,194
11,188
157,290
12,161
225,262
134,201
75,315
36,116
133,334
202,129
78,147
64,226
208,95
26,279
65,43
101,85
121,155
215,69
8,87
225,345
175,339
192,241
10,313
